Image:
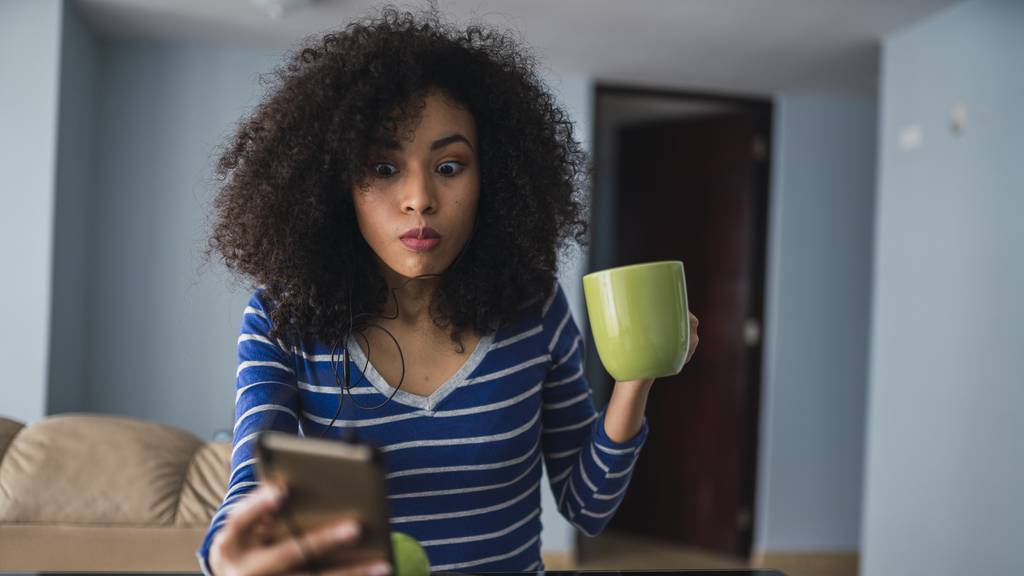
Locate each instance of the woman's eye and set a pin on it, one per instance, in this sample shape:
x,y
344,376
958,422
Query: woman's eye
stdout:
x,y
451,168
384,170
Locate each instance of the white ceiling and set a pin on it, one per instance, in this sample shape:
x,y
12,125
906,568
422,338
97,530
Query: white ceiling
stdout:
x,y
743,46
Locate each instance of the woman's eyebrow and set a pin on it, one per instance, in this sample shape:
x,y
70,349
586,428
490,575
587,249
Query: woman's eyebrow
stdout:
x,y
442,142
439,143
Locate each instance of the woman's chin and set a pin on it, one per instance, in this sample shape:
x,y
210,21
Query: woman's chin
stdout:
x,y
422,266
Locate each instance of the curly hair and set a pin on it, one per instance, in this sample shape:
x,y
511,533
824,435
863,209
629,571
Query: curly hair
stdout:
x,y
284,216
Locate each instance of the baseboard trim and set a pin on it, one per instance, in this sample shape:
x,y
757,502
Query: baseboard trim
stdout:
x,y
842,563
559,560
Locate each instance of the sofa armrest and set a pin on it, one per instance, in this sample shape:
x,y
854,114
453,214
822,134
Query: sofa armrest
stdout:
x,y
8,430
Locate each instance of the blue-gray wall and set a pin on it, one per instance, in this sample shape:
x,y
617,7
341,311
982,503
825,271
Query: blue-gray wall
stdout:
x,y
161,330
816,324
76,160
945,444
575,93
29,83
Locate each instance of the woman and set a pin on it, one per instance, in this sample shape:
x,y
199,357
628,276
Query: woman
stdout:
x,y
398,200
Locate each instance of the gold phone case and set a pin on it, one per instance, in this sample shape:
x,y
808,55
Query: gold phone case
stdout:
x,y
328,480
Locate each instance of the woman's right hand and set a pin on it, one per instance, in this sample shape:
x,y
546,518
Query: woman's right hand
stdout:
x,y
243,546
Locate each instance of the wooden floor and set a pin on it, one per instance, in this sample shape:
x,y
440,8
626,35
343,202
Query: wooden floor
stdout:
x,y
619,551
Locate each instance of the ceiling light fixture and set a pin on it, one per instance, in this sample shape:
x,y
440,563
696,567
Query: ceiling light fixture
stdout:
x,y
278,9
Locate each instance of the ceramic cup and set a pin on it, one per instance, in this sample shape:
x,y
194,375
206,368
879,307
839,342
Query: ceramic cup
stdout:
x,y
639,318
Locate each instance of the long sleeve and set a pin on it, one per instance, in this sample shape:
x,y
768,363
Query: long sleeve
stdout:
x,y
266,397
588,471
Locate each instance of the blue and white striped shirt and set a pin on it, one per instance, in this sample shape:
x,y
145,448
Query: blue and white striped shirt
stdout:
x,y
463,464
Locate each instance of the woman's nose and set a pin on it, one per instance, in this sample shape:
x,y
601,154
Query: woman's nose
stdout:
x,y
418,193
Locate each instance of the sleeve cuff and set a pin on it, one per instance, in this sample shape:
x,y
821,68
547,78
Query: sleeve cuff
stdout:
x,y
610,446
204,566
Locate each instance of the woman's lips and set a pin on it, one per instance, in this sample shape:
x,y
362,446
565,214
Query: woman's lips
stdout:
x,y
421,239
421,244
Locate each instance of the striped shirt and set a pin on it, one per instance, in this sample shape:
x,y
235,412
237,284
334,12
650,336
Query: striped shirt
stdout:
x,y
463,465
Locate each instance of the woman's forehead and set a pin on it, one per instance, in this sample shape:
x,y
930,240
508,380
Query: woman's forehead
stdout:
x,y
440,117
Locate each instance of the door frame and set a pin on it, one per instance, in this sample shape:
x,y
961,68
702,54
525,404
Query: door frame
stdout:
x,y
761,110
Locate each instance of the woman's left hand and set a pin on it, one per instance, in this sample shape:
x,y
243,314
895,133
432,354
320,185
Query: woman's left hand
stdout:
x,y
694,339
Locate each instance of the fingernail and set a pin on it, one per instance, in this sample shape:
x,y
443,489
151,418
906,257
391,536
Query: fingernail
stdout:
x,y
273,493
381,569
347,531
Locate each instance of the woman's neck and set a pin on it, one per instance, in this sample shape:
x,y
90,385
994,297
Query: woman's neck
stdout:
x,y
413,296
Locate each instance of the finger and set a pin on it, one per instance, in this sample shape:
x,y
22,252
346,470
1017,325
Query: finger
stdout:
x,y
693,319
253,506
262,532
294,552
694,340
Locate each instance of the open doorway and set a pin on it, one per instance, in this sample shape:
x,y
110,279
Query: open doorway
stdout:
x,y
685,176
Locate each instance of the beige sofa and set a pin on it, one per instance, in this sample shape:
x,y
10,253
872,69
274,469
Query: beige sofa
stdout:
x,y
108,493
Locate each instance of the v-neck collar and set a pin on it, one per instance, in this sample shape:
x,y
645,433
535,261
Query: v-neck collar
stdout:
x,y
427,403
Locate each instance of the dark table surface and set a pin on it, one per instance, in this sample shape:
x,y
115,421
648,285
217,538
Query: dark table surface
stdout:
x,y
634,573
538,573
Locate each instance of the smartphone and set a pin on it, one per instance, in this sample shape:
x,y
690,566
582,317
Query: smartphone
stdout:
x,y
328,480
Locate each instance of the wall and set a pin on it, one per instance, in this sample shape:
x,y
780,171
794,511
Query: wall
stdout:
x,y
29,84
76,160
575,93
816,324
162,329
945,460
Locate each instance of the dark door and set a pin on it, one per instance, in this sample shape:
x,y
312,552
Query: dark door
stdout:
x,y
689,190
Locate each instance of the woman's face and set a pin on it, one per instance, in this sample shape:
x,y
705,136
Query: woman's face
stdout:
x,y
432,181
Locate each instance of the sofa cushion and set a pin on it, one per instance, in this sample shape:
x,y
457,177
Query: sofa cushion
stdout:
x,y
110,470
205,484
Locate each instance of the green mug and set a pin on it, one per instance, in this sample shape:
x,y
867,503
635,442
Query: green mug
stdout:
x,y
639,317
